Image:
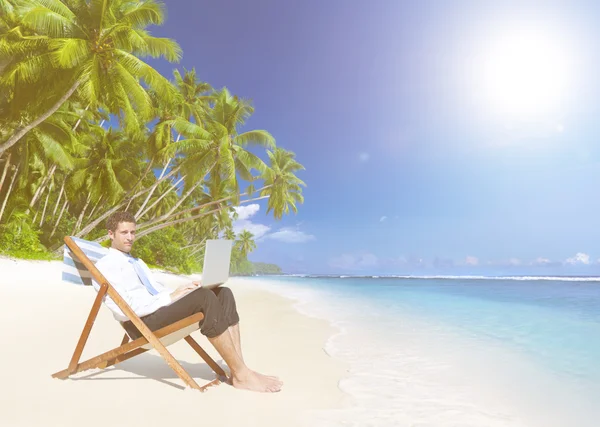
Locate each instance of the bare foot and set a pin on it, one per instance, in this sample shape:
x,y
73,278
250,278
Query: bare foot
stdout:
x,y
254,381
270,377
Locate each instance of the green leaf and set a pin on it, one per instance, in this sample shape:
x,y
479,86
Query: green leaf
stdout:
x,y
69,53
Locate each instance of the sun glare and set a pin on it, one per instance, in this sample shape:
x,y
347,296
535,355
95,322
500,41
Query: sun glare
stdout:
x,y
523,73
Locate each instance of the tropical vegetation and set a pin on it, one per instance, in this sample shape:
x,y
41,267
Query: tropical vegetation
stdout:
x,y
88,127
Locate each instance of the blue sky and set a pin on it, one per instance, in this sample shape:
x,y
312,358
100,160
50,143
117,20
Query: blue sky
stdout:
x,y
430,145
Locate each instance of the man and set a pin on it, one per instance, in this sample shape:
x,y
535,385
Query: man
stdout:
x,y
158,306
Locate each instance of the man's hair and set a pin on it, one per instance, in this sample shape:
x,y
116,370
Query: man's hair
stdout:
x,y
113,221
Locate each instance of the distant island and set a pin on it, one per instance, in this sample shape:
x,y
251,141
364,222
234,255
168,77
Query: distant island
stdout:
x,y
257,268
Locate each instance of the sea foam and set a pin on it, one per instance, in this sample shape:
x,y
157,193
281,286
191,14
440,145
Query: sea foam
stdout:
x,y
411,369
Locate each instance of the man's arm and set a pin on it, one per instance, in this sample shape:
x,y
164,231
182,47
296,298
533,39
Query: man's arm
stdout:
x,y
141,307
174,294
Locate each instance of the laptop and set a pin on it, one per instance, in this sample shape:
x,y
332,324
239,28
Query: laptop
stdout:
x,y
217,259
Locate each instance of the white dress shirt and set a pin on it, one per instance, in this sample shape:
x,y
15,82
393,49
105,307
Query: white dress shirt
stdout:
x,y
117,269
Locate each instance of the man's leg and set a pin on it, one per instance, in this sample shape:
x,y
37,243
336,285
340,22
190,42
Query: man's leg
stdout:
x,y
227,301
241,376
235,337
215,327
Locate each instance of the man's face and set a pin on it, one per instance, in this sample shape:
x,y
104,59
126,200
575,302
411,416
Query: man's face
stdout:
x,y
123,237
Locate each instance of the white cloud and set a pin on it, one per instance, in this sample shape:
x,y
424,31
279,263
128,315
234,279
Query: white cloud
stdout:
x,y
579,258
363,157
262,231
354,262
471,260
257,230
245,212
541,261
243,222
290,235
514,261
383,218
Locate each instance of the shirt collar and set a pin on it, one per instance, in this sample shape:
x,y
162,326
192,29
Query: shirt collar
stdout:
x,y
117,252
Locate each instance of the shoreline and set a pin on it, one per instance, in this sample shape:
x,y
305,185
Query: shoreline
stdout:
x,y
43,318
408,368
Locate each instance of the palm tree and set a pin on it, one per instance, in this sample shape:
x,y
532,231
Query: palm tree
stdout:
x,y
246,243
219,150
93,47
196,96
282,188
281,184
190,103
229,234
108,167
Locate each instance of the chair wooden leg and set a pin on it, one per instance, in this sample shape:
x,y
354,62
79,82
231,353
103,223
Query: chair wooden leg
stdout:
x,y
122,358
86,330
97,361
204,355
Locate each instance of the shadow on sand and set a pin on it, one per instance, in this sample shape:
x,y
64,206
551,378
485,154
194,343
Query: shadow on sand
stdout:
x,y
149,366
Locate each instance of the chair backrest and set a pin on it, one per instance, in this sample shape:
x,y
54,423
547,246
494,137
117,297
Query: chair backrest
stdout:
x,y
73,270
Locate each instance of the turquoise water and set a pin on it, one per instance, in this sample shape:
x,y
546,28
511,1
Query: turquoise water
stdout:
x,y
530,345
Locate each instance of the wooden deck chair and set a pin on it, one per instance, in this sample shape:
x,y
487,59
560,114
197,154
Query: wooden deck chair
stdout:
x,y
79,267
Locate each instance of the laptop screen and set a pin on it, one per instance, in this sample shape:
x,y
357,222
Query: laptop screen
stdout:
x,y
217,259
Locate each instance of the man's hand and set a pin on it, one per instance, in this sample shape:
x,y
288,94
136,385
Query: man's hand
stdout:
x,y
184,290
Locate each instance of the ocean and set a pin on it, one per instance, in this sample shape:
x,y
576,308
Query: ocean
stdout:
x,y
458,351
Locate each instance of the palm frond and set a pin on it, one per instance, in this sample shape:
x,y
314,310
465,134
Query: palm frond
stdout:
x,y
54,150
256,137
142,14
69,53
46,22
139,68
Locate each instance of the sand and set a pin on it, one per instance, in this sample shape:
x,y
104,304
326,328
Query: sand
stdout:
x,y
41,319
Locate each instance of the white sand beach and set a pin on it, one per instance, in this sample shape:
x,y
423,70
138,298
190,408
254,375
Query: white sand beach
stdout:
x,y
41,319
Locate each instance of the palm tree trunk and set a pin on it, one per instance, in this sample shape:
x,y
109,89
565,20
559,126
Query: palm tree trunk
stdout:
x,y
138,214
94,209
48,178
119,205
141,209
39,189
5,171
150,163
182,199
10,187
194,244
162,196
205,205
45,205
195,251
180,221
62,189
82,214
23,131
80,117
59,217
195,208
44,183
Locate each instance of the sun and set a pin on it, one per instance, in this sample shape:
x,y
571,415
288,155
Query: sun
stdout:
x,y
523,73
